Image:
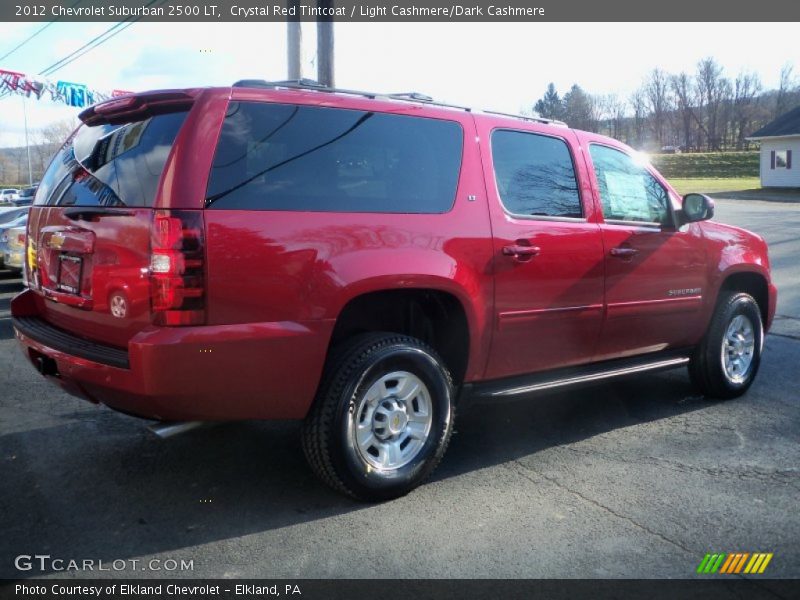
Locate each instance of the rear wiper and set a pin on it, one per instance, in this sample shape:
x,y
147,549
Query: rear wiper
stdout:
x,y
77,213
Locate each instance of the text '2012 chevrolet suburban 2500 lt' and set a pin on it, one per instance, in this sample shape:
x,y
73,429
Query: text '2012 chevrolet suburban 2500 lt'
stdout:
x,y
283,251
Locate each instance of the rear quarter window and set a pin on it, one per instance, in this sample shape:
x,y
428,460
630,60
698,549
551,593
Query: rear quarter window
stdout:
x,y
287,157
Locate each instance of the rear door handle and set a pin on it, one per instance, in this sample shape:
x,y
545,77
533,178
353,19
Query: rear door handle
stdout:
x,y
521,252
624,252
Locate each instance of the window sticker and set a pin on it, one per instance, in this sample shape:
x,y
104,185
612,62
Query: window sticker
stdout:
x,y
627,196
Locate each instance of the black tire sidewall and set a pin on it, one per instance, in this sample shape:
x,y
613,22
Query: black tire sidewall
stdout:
x,y
741,304
346,460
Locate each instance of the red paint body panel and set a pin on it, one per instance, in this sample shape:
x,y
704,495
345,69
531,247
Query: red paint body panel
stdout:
x,y
207,373
549,308
276,281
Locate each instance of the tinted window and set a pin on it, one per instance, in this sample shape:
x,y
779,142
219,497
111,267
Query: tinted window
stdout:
x,y
535,175
627,190
111,164
284,157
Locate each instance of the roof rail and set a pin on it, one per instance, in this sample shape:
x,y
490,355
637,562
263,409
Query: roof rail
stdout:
x,y
526,118
310,84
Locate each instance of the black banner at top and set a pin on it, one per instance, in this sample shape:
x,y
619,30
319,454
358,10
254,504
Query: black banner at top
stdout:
x,y
399,10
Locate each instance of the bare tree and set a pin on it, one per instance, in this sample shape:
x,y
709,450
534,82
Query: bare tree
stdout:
x,y
614,113
785,89
639,105
747,89
682,90
710,88
658,101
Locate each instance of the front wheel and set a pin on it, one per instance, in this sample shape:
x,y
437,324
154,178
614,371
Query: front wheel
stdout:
x,y
382,418
725,363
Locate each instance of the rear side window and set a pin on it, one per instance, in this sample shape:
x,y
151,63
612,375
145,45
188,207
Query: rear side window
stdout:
x,y
535,175
111,165
286,157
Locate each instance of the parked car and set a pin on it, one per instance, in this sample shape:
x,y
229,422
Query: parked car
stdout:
x,y
25,197
9,220
366,263
12,246
9,194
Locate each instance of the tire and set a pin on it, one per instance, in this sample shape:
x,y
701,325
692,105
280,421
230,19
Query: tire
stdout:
x,y
367,435
737,312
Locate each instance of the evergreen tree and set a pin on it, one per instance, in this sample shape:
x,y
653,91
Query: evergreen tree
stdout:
x,y
550,106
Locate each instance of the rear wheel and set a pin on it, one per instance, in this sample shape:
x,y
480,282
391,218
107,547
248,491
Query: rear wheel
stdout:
x,y
725,363
382,418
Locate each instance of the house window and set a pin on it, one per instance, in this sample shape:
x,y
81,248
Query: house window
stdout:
x,y
781,159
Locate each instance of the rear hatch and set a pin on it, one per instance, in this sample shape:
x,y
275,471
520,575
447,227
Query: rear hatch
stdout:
x,y
94,223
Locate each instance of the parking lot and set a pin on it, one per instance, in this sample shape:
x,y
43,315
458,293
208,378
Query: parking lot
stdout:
x,y
636,478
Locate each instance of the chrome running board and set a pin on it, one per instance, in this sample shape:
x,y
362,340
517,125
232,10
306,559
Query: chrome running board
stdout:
x,y
536,382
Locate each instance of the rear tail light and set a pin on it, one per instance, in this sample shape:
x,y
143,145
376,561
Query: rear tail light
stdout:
x,y
21,239
177,273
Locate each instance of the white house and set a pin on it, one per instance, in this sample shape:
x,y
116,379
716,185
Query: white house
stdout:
x,y
780,150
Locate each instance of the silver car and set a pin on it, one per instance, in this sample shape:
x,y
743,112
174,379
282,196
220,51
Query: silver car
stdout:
x,y
13,244
8,221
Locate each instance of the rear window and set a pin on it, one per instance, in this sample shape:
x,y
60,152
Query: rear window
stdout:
x,y
286,157
111,165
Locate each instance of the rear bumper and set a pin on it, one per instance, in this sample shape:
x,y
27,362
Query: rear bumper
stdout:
x,y
218,372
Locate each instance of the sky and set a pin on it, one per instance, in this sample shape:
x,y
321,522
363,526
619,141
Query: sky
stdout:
x,y
498,66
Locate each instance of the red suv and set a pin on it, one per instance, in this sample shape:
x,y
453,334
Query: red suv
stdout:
x,y
365,262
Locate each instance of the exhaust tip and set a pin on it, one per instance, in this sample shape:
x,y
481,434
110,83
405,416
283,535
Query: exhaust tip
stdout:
x,y
167,429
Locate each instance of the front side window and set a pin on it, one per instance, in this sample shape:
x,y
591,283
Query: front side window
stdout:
x,y
305,158
628,191
535,175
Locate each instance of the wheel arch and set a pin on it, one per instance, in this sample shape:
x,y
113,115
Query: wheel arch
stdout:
x,y
437,315
749,280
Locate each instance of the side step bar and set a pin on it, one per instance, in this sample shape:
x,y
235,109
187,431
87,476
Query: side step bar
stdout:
x,y
514,387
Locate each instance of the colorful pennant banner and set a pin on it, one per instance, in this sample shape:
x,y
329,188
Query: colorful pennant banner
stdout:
x,y
72,94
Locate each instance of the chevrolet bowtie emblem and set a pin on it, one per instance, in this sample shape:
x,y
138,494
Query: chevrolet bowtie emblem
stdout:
x,y
57,240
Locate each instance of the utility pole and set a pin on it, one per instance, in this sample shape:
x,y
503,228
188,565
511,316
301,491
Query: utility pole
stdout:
x,y
325,73
294,44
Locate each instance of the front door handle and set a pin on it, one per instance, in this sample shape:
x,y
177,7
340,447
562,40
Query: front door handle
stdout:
x,y
521,252
623,252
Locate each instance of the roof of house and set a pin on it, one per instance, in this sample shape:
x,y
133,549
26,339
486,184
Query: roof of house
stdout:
x,y
787,124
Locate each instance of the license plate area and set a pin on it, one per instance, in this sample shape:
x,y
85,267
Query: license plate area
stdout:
x,y
70,274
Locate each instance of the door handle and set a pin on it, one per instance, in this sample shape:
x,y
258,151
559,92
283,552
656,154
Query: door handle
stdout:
x,y
624,252
521,252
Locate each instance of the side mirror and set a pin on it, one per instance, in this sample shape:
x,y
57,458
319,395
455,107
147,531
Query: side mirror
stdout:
x,y
696,207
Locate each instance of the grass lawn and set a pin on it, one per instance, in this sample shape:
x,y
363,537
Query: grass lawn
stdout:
x,y
714,185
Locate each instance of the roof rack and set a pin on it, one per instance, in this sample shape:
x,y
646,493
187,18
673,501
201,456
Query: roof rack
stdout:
x,y
312,85
526,117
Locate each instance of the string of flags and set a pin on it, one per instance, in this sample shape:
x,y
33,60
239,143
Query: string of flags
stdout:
x,y
72,94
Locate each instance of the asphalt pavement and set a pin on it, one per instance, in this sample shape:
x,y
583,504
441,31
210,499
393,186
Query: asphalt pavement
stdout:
x,y
636,478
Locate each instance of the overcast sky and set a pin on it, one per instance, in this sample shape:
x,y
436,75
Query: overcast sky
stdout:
x,y
501,66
